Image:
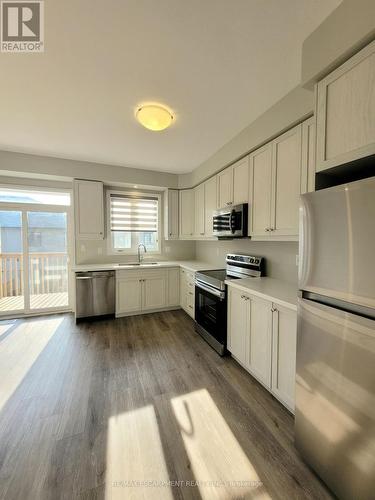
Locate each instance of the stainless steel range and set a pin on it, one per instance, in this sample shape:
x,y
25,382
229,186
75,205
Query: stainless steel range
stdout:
x,y
211,296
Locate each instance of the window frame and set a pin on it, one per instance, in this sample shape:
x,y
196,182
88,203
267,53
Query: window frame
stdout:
x,y
134,249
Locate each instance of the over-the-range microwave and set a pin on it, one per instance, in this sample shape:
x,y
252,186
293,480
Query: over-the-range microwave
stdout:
x,y
231,222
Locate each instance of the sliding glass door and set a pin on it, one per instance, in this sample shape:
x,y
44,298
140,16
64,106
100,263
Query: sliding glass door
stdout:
x,y
34,257
48,260
12,295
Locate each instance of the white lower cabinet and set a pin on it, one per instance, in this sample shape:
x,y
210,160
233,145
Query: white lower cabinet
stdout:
x,y
187,291
284,345
262,337
154,294
259,358
128,295
140,291
238,325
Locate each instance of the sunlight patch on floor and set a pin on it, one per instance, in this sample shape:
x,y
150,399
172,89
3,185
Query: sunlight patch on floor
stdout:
x,y
5,326
220,466
19,351
136,467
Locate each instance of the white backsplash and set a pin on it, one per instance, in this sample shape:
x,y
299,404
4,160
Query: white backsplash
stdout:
x,y
280,256
95,252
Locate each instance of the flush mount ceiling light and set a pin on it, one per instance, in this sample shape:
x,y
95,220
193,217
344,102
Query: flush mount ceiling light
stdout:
x,y
154,116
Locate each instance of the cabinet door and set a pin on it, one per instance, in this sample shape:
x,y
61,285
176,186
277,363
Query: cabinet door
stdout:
x,y
183,287
286,182
238,325
225,188
128,295
173,287
210,204
199,210
260,199
259,356
284,334
171,214
154,292
308,156
241,181
346,111
89,210
187,213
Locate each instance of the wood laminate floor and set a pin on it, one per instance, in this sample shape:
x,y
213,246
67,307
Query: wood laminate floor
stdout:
x,y
137,407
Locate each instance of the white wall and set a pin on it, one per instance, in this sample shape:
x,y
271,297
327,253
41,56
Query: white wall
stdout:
x,y
280,256
345,31
29,166
290,110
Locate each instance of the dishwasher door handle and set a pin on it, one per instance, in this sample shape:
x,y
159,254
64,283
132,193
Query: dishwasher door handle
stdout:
x,y
84,277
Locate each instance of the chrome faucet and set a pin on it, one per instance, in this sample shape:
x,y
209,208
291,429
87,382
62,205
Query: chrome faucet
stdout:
x,y
139,252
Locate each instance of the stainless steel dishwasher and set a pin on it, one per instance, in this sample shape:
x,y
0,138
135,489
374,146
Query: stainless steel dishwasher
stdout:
x,y
95,294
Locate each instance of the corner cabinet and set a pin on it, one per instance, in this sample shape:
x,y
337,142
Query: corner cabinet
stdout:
x,y
88,210
210,205
262,338
200,220
187,214
187,291
345,110
171,214
139,291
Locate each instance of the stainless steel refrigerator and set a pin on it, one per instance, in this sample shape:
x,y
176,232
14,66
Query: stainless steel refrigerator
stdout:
x,y
335,381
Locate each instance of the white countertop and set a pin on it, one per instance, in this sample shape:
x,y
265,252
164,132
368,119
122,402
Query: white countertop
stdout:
x,y
190,265
278,291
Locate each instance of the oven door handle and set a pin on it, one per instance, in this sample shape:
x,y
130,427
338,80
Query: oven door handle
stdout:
x,y
217,293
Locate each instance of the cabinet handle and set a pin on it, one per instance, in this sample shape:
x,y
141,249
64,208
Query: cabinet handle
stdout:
x,y
170,234
244,297
202,234
190,293
266,229
272,229
273,309
191,307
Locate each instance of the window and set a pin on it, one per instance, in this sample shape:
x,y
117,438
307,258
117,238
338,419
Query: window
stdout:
x,y
8,195
133,219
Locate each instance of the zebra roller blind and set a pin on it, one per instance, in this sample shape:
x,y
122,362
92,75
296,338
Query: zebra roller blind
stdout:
x,y
134,214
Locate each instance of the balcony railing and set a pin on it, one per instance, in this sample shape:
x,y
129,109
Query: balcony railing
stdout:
x,y
47,271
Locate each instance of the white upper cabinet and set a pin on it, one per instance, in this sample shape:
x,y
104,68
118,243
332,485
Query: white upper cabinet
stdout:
x,y
286,182
187,213
225,188
284,341
275,187
89,210
241,181
308,156
346,111
199,211
233,184
210,204
260,192
171,214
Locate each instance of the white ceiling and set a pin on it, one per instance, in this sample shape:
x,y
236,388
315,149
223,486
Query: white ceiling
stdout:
x,y
218,64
